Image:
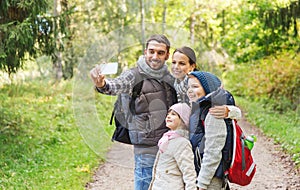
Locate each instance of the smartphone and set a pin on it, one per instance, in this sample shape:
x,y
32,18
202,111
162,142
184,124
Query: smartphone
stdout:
x,y
109,68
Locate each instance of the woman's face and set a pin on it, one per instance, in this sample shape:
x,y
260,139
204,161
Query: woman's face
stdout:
x,y
180,65
195,90
173,120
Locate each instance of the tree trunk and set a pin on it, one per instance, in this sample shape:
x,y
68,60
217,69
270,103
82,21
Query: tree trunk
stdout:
x,y
57,61
57,66
142,7
122,64
164,17
192,28
223,22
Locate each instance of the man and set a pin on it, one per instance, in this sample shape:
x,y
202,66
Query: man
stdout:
x,y
157,95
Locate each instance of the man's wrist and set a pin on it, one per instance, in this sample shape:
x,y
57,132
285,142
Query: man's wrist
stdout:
x,y
102,86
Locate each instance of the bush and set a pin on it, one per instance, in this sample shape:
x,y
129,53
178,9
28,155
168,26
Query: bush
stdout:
x,y
283,128
273,79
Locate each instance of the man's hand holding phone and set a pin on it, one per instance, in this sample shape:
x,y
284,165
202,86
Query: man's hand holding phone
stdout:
x,y
99,71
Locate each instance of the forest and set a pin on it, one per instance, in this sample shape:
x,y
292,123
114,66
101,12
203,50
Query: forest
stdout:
x,y
54,129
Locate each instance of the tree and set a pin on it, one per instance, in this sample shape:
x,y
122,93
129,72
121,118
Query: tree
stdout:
x,y
257,29
26,29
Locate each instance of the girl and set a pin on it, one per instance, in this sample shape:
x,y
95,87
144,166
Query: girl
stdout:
x,y
208,134
174,167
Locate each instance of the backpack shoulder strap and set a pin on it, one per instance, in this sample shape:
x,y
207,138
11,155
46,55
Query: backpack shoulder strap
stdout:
x,y
137,88
138,83
112,116
204,112
171,95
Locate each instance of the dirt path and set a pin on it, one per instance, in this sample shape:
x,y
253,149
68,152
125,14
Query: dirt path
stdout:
x,y
274,169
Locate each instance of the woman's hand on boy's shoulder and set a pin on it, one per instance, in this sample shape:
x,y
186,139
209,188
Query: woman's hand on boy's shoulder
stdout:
x,y
219,112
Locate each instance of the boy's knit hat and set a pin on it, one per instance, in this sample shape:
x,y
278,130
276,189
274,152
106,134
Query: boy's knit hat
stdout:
x,y
184,112
189,52
208,81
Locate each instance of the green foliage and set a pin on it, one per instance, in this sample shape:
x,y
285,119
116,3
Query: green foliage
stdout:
x,y
27,30
40,144
283,128
260,28
273,79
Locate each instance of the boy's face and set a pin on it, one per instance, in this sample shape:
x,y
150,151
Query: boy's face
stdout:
x,y
195,90
156,54
173,120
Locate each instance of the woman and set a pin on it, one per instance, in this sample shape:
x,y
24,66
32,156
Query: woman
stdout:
x,y
183,62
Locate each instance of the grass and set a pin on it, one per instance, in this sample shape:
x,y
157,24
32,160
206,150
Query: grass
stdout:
x,y
283,128
53,136
42,146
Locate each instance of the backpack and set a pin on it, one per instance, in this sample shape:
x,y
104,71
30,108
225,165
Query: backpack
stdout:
x,y
120,114
237,163
121,133
242,167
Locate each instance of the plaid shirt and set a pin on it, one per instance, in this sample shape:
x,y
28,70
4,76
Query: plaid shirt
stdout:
x,y
122,84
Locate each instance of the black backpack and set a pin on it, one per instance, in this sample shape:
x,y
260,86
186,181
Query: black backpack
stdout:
x,y
123,110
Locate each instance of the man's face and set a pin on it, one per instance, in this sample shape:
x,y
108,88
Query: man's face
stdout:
x,y
156,54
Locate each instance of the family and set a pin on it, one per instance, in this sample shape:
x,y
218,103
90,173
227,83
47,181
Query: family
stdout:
x,y
172,148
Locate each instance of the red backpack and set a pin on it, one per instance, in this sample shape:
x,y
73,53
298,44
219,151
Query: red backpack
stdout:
x,y
242,168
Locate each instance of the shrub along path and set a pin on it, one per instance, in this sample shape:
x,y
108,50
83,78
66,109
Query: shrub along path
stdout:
x,y
275,170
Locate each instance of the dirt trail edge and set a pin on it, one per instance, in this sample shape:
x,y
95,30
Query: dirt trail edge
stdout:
x,y
275,170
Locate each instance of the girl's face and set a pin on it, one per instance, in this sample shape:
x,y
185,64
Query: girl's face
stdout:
x,y
195,90
180,65
173,120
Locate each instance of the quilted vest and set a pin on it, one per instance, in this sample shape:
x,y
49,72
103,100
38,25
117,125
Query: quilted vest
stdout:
x,y
147,124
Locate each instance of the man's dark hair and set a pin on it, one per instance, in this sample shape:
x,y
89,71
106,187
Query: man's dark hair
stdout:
x,y
160,38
